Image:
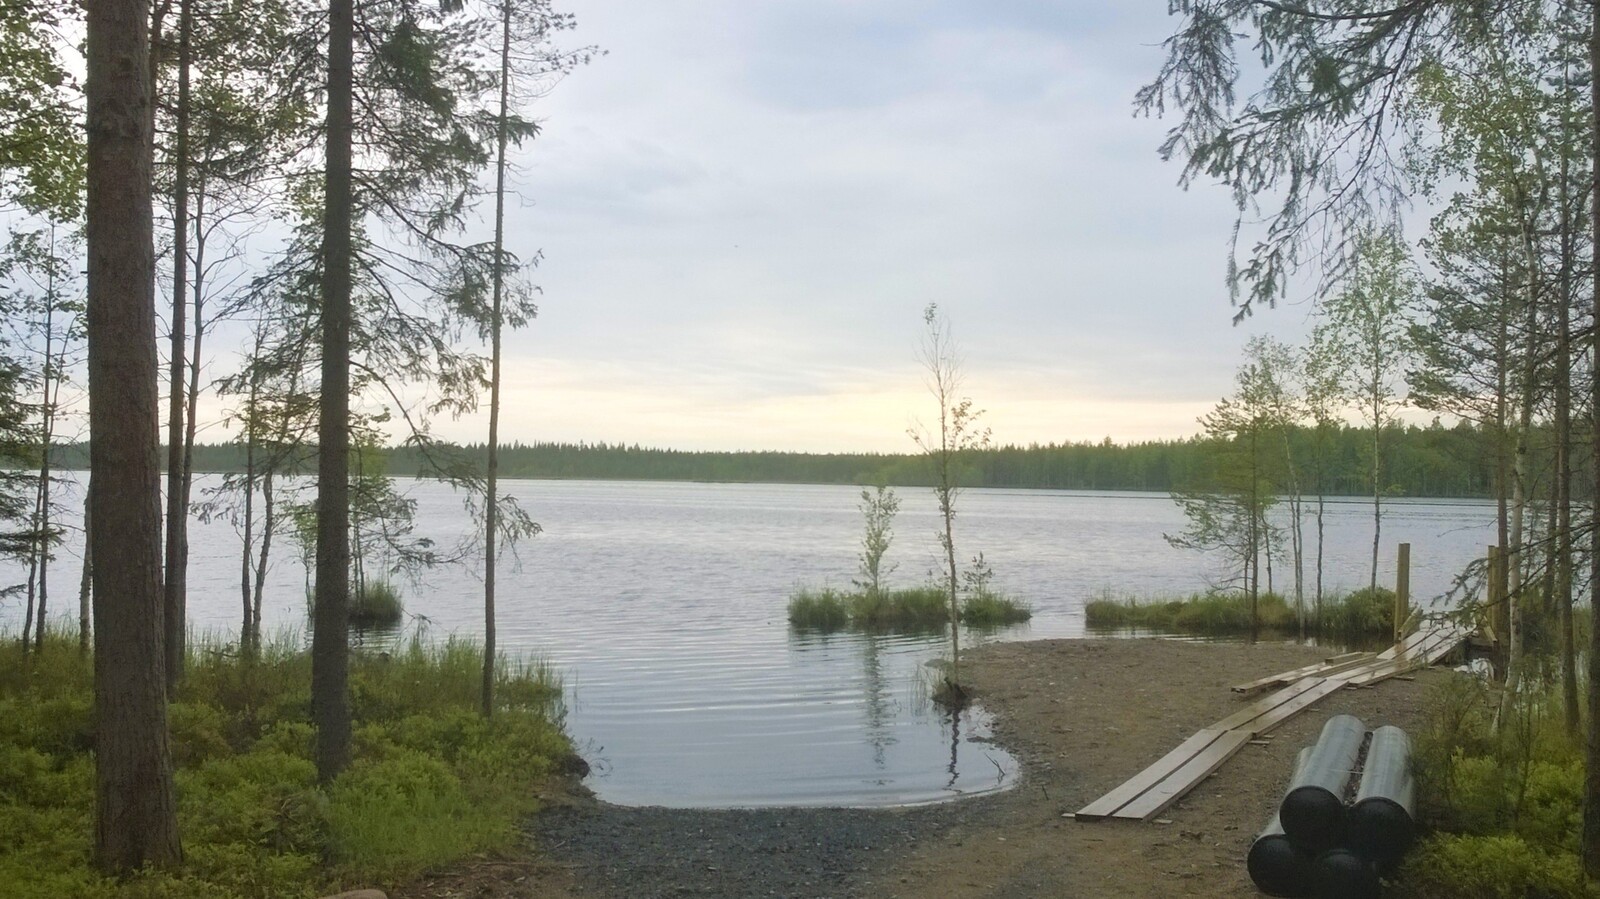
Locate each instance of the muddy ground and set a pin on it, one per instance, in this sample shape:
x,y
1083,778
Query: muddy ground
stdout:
x,y
1080,715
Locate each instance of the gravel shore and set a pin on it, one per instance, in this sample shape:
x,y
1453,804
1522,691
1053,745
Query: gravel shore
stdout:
x,y
1080,715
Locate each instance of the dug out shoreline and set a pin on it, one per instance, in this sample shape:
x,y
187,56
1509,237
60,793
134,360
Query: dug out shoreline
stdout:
x,y
1080,715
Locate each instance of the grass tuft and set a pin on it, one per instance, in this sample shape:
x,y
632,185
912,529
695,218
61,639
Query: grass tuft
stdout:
x,y
376,603
1362,615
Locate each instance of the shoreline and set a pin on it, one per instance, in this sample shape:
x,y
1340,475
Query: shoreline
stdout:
x,y
1080,715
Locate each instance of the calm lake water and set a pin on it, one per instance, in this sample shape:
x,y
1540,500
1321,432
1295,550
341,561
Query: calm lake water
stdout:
x,y
662,607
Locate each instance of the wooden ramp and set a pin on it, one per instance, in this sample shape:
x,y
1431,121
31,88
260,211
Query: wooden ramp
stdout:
x,y
1152,790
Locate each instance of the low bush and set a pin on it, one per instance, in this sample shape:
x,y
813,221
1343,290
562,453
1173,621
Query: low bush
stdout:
x,y
1502,789
1451,866
1364,613
431,781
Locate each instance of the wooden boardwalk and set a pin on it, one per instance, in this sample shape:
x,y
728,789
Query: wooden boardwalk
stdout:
x,y
1166,780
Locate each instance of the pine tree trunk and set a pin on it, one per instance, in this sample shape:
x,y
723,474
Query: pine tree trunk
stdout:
x,y
135,803
86,580
175,604
1591,785
491,510
330,649
251,422
1562,594
268,524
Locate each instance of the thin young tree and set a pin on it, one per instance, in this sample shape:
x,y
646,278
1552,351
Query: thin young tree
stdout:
x,y
175,600
1370,320
1226,504
135,802
958,434
878,506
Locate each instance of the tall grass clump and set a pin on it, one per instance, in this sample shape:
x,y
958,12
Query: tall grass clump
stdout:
x,y
1362,615
1211,614
431,781
993,610
376,603
1501,790
826,609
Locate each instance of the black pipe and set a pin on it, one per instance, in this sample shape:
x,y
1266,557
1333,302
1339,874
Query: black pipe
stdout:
x,y
1342,874
1276,865
1313,811
1383,820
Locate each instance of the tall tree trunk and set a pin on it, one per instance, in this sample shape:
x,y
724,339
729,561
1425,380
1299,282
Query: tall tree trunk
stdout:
x,y
85,582
330,647
41,534
135,804
1563,542
175,604
491,510
268,523
1377,484
1591,785
246,563
197,290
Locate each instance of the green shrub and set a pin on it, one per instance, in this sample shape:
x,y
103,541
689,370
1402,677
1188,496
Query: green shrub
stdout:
x,y
432,781
56,725
1363,613
394,817
264,798
1448,866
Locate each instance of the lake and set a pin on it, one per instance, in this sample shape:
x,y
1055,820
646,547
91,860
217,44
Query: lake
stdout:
x,y
662,606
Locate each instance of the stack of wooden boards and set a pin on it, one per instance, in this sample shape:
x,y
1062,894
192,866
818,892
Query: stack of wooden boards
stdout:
x,y
1155,788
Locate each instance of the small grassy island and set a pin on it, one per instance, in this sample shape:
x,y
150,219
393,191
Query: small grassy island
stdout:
x,y
432,781
912,609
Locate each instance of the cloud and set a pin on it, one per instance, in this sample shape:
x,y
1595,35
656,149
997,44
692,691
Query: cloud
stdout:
x,y
744,208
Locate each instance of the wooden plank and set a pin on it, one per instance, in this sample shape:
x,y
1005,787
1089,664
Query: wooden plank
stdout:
x,y
1266,704
1289,709
1276,680
1406,645
1152,801
1130,789
1441,643
1167,779
1319,669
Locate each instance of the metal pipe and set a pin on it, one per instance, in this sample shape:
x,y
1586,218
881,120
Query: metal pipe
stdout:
x,y
1313,812
1383,820
1342,874
1276,865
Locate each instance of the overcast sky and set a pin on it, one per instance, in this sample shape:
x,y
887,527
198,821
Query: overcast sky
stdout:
x,y
745,206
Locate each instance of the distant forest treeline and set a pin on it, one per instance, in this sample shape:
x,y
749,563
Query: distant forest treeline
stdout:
x,y
1419,461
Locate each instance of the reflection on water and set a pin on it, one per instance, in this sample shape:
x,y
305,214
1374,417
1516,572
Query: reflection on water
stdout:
x,y
662,605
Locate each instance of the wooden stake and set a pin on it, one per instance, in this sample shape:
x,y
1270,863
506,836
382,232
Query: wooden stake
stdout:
x,y
1402,591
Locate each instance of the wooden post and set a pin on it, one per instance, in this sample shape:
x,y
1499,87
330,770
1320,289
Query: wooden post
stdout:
x,y
1499,604
1402,591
